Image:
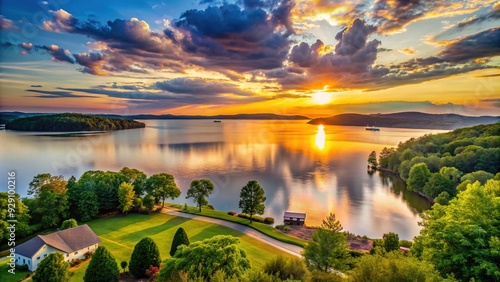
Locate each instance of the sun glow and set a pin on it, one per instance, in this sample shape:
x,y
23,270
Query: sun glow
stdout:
x,y
322,98
320,137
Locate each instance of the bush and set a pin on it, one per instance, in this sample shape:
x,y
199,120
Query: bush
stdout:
x,y
74,262
69,223
405,243
102,267
52,268
320,276
180,238
210,207
283,227
145,254
286,268
87,255
23,267
269,220
233,213
254,217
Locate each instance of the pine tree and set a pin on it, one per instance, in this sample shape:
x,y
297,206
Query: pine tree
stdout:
x,y
252,199
102,267
145,254
180,238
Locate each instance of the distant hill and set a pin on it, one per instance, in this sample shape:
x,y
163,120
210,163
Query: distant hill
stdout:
x,y
407,120
6,117
71,122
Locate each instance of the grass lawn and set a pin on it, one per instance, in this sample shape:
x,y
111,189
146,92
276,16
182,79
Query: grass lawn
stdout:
x,y
119,234
264,228
6,276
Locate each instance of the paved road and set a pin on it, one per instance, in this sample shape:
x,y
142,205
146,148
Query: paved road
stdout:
x,y
288,248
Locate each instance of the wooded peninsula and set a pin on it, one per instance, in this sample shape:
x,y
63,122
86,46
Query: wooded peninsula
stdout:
x,y
71,122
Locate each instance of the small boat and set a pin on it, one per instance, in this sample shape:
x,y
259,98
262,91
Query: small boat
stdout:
x,y
372,128
217,121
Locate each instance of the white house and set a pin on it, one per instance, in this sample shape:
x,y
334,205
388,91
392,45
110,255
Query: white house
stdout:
x,y
73,243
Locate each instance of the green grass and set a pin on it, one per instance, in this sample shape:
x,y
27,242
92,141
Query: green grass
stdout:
x,y
5,276
263,228
119,234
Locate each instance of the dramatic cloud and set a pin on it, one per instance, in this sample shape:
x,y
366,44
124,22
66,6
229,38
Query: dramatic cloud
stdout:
x,y
494,14
58,54
93,63
199,86
228,37
55,94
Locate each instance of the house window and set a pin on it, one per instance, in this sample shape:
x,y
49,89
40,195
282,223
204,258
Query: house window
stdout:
x,y
45,255
29,262
24,262
38,258
67,255
76,253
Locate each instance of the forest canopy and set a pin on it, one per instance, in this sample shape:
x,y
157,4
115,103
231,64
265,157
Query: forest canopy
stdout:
x,y
71,122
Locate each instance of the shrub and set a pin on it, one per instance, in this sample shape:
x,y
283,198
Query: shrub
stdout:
x,y
23,267
69,223
405,243
180,238
320,276
210,207
88,255
74,262
52,268
283,227
233,213
102,267
145,254
254,218
269,220
286,268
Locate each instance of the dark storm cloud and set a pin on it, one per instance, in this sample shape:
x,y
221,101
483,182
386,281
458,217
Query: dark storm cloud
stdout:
x,y
199,86
57,53
479,45
237,39
55,94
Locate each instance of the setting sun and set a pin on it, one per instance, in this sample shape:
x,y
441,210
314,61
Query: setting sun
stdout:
x,y
322,98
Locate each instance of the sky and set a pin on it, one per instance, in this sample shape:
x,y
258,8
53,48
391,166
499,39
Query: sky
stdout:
x,y
208,57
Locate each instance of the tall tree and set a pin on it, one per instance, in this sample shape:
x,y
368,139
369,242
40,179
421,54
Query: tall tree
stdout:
x,y
20,213
391,241
328,248
102,267
126,197
204,258
372,161
136,178
180,238
69,223
438,183
162,186
51,205
252,199
463,237
83,202
419,175
57,183
145,254
199,191
53,268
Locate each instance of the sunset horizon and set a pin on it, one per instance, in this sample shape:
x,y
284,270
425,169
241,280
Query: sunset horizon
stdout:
x,y
312,58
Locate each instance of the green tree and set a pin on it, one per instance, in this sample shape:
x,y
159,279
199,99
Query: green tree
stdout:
x,y
451,173
463,237
438,183
149,202
384,157
252,199
372,161
419,175
56,183
162,186
69,223
443,198
393,266
124,265
180,238
126,197
391,242
53,268
328,248
204,258
105,185
199,191
52,206
145,254
20,213
480,175
137,178
102,267
83,202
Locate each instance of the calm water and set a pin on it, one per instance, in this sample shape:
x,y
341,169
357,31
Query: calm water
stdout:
x,y
302,168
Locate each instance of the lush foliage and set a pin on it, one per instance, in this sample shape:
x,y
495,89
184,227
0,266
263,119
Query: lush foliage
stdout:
x,y
162,186
393,266
126,195
69,223
21,214
463,237
328,248
53,268
447,157
102,267
145,254
391,242
180,238
71,122
252,199
137,178
199,190
204,258
372,161
287,268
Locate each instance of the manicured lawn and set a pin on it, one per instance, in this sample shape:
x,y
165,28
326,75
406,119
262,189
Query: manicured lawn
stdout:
x,y
6,276
119,234
264,228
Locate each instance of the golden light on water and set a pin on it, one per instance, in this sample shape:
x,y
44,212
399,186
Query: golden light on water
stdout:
x,y
320,137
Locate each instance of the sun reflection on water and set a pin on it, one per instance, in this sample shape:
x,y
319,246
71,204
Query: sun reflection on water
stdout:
x,y
320,137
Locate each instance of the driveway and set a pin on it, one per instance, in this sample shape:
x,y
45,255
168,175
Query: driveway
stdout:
x,y
285,247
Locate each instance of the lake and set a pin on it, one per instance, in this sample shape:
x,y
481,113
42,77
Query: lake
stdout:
x,y
302,168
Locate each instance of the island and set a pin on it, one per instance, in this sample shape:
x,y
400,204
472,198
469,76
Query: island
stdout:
x,y
406,120
67,122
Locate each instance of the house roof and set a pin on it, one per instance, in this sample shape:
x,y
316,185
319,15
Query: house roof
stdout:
x,y
68,241
295,215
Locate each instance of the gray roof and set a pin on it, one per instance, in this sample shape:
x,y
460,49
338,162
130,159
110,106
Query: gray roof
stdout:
x,y
68,241
295,215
